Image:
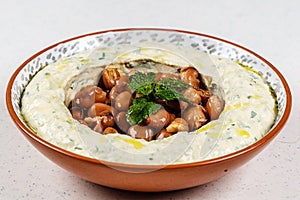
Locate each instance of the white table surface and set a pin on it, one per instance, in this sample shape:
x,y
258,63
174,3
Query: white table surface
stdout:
x,y
270,28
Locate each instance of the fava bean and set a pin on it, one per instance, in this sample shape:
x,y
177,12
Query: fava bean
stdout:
x,y
195,116
109,130
77,113
97,108
163,134
159,120
141,132
179,124
214,107
104,121
110,76
122,101
121,121
190,75
89,95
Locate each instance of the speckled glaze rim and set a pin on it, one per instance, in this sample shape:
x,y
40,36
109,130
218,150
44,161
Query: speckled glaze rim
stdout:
x,y
266,139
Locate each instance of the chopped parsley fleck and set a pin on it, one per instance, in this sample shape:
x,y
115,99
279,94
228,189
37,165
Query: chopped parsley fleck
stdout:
x,y
47,75
103,56
253,114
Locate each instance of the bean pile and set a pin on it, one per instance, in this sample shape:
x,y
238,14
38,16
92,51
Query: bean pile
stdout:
x,y
104,108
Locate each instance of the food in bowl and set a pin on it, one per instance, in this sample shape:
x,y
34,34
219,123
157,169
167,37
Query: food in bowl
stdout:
x,y
211,115
176,162
146,105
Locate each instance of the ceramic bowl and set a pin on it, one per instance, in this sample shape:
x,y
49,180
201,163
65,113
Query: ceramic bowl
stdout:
x,y
150,178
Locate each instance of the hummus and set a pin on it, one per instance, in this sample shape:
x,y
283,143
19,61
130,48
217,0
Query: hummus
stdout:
x,y
249,113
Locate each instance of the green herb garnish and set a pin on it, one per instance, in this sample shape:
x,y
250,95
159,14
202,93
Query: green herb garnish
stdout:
x,y
253,114
47,74
102,57
78,148
170,89
140,109
173,84
144,83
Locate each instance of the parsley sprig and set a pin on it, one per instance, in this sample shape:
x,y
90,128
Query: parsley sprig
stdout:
x,y
140,109
144,83
170,89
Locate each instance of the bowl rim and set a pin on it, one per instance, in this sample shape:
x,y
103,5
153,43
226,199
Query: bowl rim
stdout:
x,y
264,140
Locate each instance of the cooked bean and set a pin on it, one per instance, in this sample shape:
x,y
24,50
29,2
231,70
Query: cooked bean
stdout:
x,y
122,101
192,95
113,94
205,94
109,77
103,121
172,117
179,124
171,106
214,107
160,76
106,113
97,108
121,121
77,113
121,84
159,120
90,122
100,95
141,132
106,119
163,134
89,95
183,106
109,130
195,116
190,76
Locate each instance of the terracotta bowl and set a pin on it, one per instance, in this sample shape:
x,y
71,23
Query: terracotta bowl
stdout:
x,y
151,178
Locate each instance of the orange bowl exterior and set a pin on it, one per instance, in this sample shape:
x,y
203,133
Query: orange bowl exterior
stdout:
x,y
144,177
159,178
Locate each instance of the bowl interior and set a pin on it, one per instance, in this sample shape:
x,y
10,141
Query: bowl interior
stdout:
x,y
209,44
